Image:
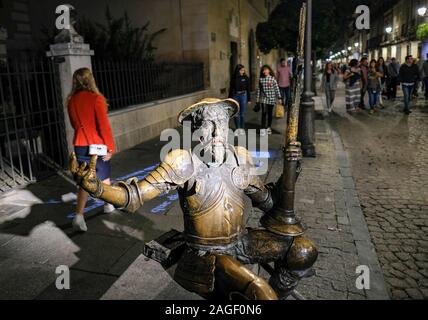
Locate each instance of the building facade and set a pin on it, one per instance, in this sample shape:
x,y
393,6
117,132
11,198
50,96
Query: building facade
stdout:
x,y
393,26
218,33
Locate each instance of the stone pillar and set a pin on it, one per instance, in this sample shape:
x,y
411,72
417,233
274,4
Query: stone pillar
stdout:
x,y
70,57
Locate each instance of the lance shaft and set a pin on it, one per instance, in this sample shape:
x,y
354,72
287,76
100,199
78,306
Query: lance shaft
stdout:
x,y
283,220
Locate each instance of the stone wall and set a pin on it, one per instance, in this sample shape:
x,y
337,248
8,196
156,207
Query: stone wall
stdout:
x,y
235,21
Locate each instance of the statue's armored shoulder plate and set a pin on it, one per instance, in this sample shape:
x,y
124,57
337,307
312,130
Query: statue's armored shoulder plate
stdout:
x,y
243,156
178,167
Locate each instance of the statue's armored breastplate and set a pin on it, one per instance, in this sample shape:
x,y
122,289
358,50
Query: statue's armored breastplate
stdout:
x,y
213,207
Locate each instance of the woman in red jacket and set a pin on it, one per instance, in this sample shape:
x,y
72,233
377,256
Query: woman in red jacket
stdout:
x,y
87,109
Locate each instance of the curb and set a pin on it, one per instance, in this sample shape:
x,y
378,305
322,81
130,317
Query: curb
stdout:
x,y
365,249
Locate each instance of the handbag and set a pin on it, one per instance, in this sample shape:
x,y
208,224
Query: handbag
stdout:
x,y
279,111
94,149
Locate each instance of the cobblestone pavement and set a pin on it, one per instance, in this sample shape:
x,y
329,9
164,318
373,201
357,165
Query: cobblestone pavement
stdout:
x,y
389,158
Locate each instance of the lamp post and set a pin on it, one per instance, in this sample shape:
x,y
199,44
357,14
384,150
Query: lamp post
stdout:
x,y
307,106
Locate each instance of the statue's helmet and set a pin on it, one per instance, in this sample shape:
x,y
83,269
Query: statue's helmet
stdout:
x,y
210,125
232,107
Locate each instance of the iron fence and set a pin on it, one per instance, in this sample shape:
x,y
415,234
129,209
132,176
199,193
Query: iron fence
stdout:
x,y
32,134
127,83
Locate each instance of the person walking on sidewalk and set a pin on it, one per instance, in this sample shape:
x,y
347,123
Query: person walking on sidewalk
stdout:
x,y
283,77
407,76
364,80
425,76
87,110
352,79
374,84
329,80
268,95
393,69
240,91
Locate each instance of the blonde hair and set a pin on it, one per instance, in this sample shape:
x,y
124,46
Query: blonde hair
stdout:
x,y
83,80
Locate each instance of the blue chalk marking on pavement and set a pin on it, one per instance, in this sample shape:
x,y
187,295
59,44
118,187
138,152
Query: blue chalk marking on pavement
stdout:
x,y
260,154
161,208
173,197
52,201
164,205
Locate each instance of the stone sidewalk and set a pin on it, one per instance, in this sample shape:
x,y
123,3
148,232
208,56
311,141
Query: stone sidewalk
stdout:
x,y
106,262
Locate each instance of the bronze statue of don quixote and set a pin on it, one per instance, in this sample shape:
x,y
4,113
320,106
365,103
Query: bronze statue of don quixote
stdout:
x,y
212,181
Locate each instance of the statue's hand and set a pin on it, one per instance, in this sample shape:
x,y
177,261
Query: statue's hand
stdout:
x,y
85,177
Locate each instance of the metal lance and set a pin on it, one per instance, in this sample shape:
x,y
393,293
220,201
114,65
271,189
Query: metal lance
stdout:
x,y
283,220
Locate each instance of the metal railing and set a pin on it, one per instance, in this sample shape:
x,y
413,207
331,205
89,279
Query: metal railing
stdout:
x,y
127,83
32,134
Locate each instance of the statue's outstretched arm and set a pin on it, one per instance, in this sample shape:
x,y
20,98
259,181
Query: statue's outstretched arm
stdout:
x,y
173,172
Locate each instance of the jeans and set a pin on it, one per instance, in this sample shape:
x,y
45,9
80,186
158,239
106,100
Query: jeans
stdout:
x,y
407,91
285,96
240,118
330,95
267,113
373,96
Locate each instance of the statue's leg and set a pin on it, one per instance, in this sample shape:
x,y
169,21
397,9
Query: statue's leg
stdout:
x,y
297,265
233,280
220,276
293,257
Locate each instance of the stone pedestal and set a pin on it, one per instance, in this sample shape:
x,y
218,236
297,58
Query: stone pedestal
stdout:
x,y
69,57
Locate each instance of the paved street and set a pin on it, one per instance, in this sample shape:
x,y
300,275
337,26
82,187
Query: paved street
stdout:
x,y
388,154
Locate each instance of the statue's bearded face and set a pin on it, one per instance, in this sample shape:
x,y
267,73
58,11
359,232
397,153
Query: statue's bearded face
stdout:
x,y
212,126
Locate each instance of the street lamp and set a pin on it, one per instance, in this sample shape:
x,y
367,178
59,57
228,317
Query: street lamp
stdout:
x,y
388,29
306,130
349,48
356,44
422,11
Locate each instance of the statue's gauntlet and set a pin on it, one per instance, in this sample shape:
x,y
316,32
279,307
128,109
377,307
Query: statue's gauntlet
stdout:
x,y
99,189
124,195
133,196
